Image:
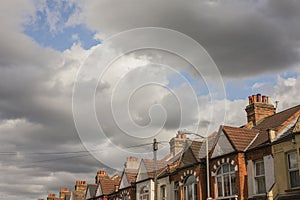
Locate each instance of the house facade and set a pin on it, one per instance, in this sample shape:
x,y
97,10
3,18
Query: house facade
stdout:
x,y
286,151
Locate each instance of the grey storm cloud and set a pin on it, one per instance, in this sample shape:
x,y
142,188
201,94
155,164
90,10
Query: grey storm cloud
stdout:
x,y
243,37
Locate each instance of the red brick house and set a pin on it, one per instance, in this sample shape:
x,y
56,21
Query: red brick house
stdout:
x,y
241,164
228,165
260,160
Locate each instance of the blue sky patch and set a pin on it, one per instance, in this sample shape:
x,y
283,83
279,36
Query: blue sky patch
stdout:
x,y
49,27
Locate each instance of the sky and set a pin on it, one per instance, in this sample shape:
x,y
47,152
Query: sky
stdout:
x,y
83,83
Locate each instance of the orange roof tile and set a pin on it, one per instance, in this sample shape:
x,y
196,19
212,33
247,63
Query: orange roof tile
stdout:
x,y
240,138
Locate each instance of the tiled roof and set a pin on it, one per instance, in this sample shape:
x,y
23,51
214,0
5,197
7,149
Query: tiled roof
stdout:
x,y
240,138
275,122
131,175
289,134
211,141
108,185
149,164
195,147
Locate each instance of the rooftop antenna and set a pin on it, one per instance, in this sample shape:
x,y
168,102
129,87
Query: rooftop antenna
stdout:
x,y
276,104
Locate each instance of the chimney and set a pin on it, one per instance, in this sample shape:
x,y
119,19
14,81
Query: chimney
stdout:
x,y
177,142
259,108
80,186
51,196
63,192
100,174
132,163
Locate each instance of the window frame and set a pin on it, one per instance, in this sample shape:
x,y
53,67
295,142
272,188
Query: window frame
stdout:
x,y
190,187
290,170
176,191
231,173
163,192
144,193
261,176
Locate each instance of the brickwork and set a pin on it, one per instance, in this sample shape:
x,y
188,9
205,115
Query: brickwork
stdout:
x,y
199,172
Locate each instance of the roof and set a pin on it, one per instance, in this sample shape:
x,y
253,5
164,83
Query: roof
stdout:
x,y
275,122
149,164
211,142
290,133
240,138
131,175
107,184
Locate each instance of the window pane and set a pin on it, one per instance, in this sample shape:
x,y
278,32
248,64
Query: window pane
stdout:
x,y
293,160
219,170
190,192
295,179
190,180
259,168
233,184
225,168
226,185
195,192
176,191
260,185
231,168
219,185
185,193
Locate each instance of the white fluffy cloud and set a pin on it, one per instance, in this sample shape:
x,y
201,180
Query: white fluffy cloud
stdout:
x,y
36,86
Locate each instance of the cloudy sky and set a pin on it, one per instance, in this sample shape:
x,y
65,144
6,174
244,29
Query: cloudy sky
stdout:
x,y
83,82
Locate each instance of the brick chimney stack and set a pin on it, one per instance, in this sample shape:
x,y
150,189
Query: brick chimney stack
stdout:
x,y
177,143
64,192
51,197
100,174
132,163
80,186
259,108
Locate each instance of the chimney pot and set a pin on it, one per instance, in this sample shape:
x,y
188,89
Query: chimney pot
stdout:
x,y
258,97
254,98
264,99
250,99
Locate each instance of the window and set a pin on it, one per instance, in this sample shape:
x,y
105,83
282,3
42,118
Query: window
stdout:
x,y
190,189
225,179
176,191
293,169
125,197
259,177
163,194
144,195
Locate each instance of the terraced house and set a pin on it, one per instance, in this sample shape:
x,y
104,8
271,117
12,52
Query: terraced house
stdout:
x,y
257,161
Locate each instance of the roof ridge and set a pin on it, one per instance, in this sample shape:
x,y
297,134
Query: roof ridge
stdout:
x,y
285,110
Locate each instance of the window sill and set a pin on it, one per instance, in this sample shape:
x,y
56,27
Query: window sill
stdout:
x,y
227,197
259,195
297,189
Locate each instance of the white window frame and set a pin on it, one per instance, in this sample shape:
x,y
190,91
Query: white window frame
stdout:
x,y
193,186
144,193
163,192
290,170
256,177
230,173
